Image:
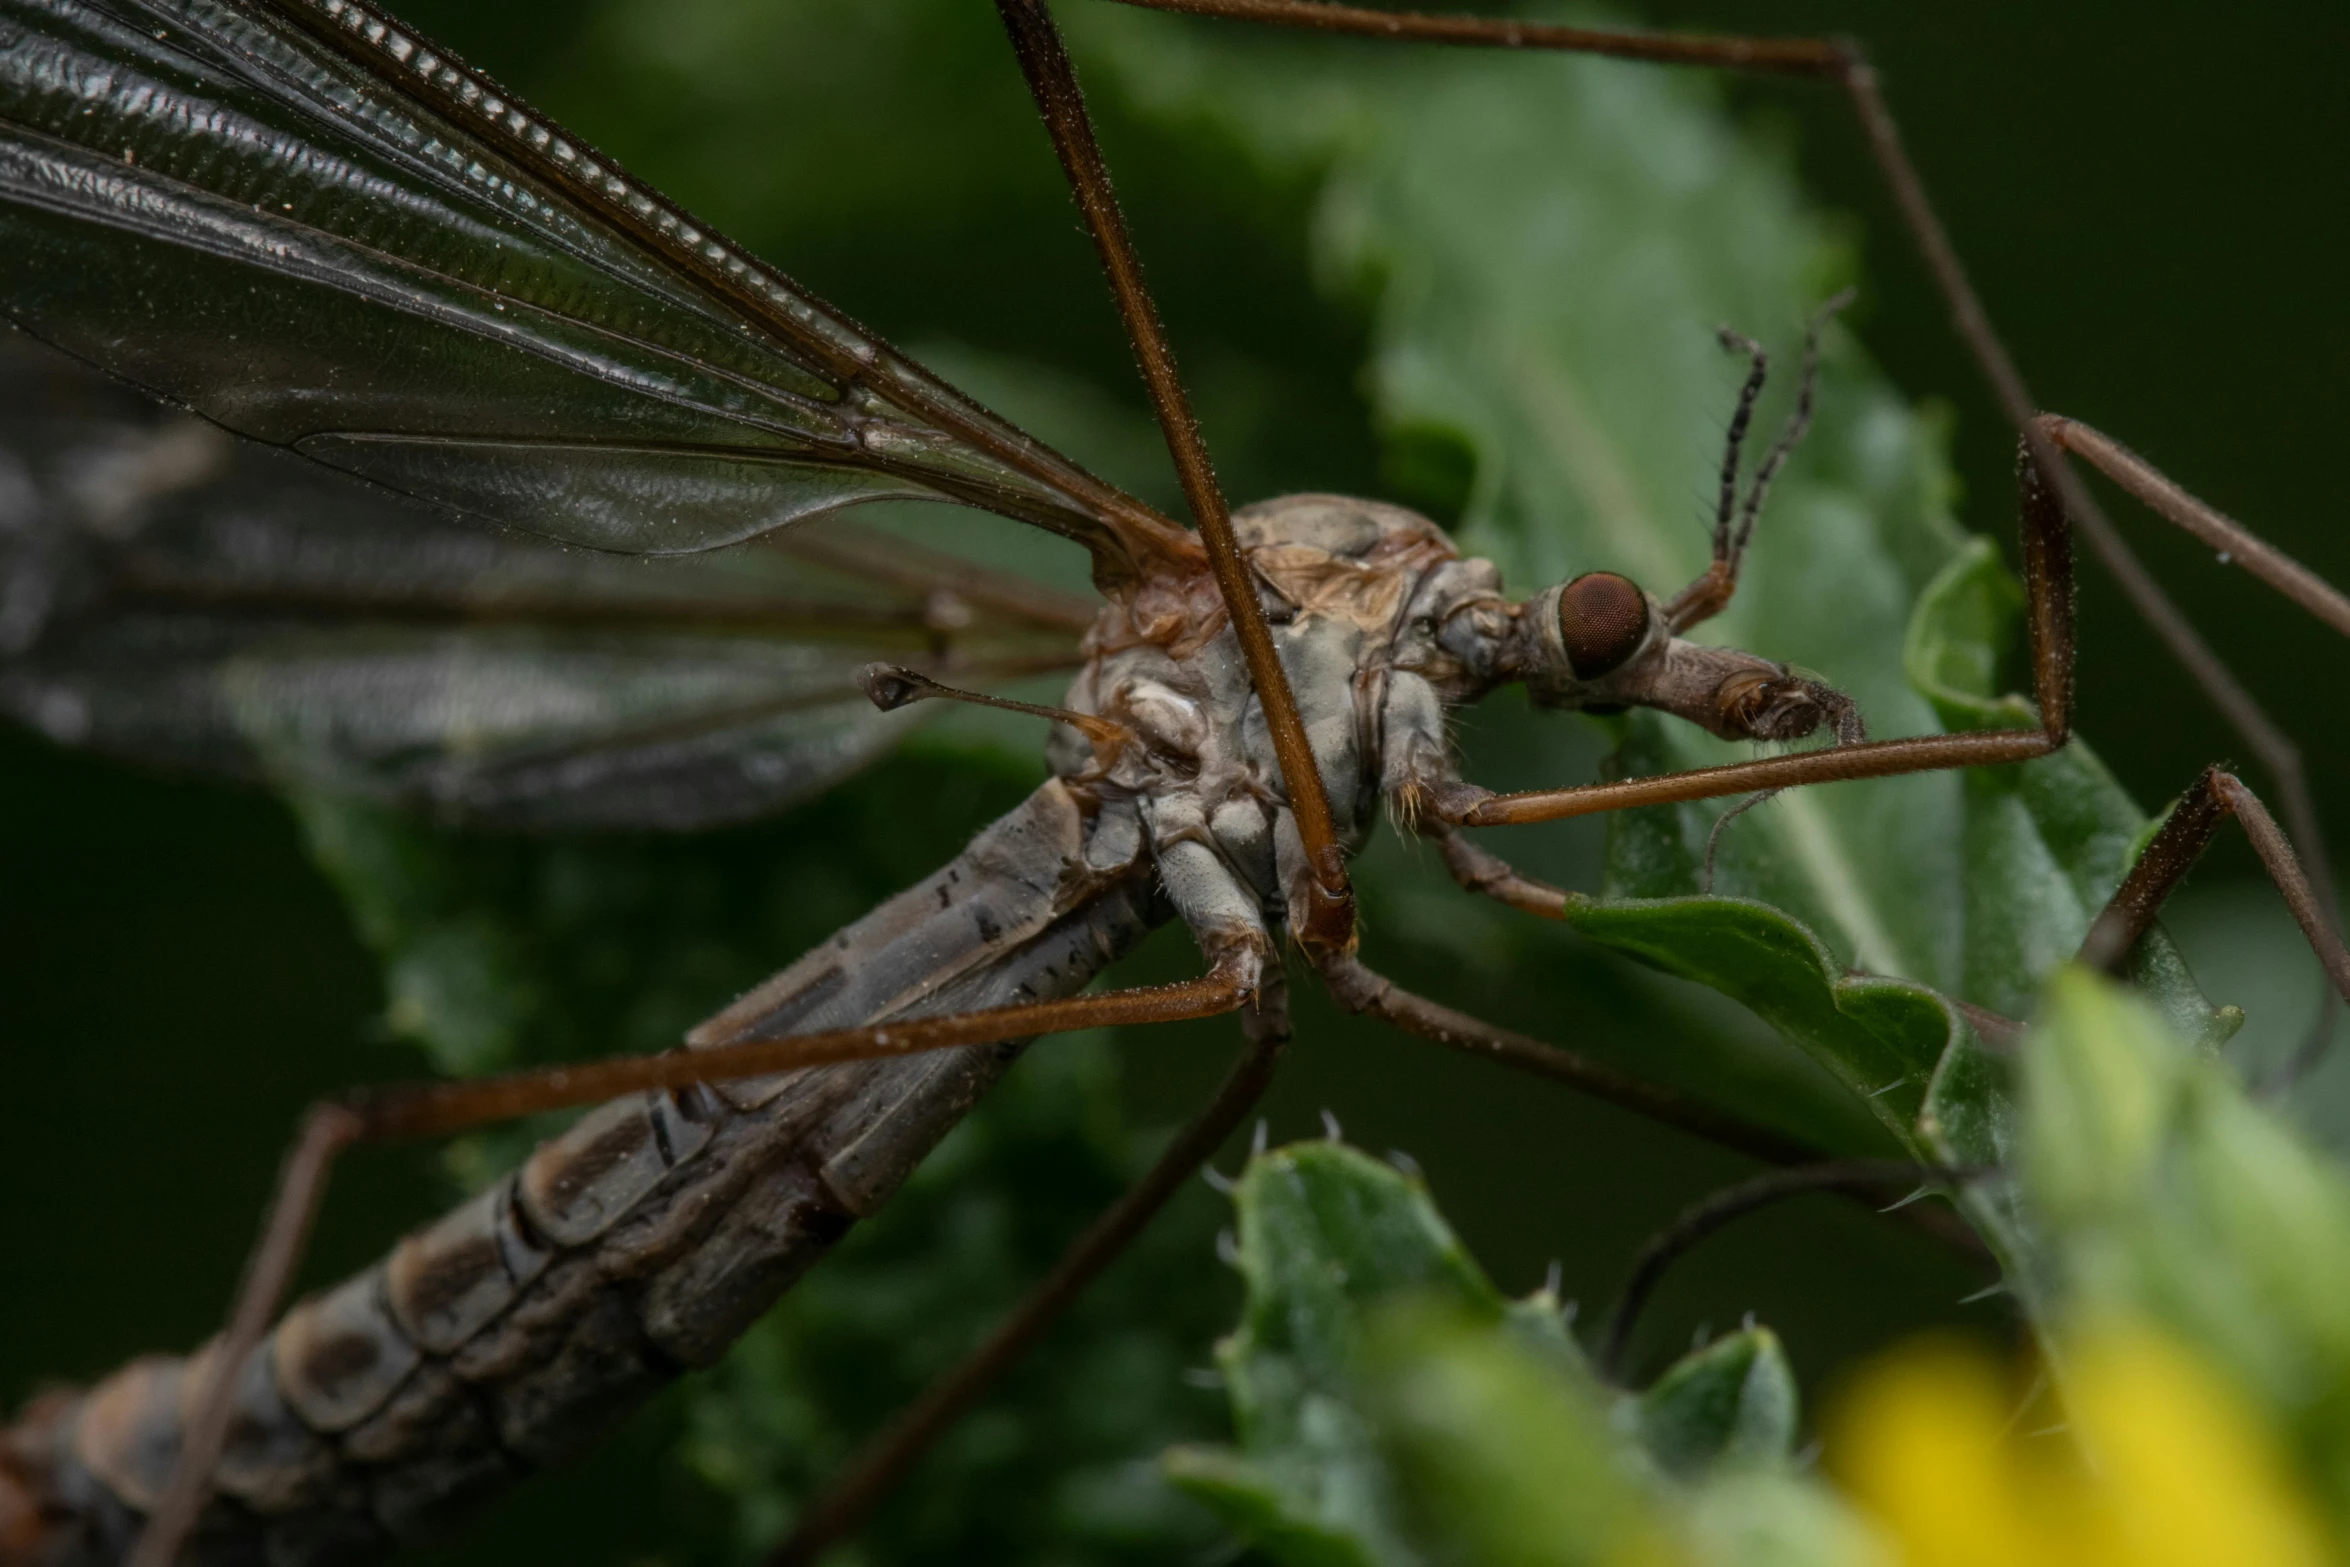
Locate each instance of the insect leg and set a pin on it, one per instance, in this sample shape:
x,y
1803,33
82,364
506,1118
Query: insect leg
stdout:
x,y
1358,988
1769,56
1490,876
2237,544
1700,1219
1837,60
2176,847
852,1495
437,1109
1329,920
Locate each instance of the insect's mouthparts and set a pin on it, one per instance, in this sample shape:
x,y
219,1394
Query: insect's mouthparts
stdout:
x,y
1785,707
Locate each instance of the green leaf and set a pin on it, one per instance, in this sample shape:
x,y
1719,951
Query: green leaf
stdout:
x,y
1501,1458
2164,1191
1325,1237
1393,1409
1733,1402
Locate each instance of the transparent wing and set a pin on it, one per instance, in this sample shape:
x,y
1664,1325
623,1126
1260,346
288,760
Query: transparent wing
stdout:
x,y
302,222
175,595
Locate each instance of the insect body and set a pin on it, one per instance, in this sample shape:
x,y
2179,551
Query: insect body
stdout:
x,y
646,1238
1250,694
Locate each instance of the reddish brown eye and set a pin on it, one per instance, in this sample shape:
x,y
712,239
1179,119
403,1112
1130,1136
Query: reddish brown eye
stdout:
x,y
1603,619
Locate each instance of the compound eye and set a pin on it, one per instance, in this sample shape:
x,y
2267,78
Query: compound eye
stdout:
x,y
1603,619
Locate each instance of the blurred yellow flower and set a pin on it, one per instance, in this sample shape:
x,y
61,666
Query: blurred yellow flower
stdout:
x,y
2160,1463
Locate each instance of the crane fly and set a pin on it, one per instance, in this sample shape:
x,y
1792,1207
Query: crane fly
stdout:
x,y
320,233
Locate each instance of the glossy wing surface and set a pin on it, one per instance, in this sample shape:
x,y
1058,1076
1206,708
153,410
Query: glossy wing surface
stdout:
x,y
172,594
307,225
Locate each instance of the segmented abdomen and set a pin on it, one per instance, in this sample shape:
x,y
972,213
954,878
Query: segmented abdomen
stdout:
x,y
638,1244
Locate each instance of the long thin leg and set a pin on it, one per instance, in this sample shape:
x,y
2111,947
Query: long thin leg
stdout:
x,y
285,1234
2237,544
845,1504
1837,60
1702,1218
2193,822
1359,989
437,1109
1771,56
1053,82
2275,749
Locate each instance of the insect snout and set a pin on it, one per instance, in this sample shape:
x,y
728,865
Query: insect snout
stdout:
x,y
1784,706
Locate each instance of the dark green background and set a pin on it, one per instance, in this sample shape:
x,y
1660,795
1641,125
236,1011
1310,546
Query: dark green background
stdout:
x,y
2150,204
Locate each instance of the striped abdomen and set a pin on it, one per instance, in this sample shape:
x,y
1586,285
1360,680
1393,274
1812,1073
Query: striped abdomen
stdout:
x,y
636,1245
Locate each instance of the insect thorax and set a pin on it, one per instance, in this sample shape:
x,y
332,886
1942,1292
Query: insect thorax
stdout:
x,y
1380,625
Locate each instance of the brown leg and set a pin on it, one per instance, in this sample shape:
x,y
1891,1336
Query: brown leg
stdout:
x,y
845,1504
1859,1176
1491,876
2267,740
2237,544
1771,56
1358,989
1836,60
2181,841
437,1109
1045,63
